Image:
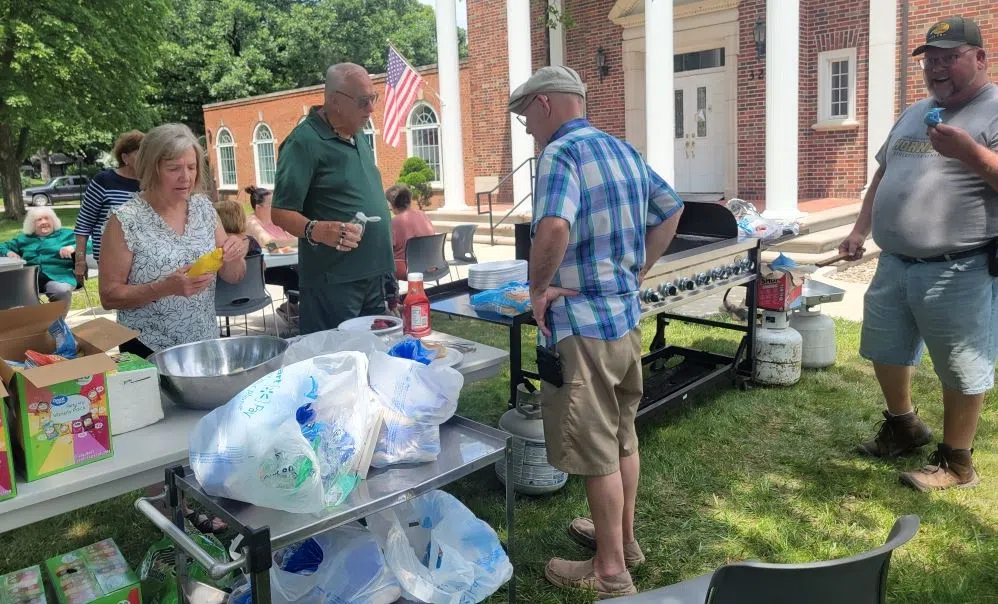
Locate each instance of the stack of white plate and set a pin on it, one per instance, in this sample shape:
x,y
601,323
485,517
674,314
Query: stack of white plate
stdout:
x,y
490,275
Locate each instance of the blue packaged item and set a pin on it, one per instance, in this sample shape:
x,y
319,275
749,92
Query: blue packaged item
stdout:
x,y
65,342
509,300
934,117
412,349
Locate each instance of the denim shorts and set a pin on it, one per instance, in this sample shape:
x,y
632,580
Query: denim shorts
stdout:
x,y
950,306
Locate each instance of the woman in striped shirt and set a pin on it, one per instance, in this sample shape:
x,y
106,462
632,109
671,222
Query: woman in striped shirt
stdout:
x,y
106,191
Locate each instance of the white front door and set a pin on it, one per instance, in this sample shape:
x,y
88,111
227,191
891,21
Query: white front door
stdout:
x,y
701,131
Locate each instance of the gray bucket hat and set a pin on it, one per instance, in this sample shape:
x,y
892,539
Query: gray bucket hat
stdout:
x,y
556,78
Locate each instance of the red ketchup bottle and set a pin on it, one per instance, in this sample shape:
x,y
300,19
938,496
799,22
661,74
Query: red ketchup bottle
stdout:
x,y
416,309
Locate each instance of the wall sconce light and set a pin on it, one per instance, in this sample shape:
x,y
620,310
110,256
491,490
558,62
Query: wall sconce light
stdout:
x,y
759,33
601,66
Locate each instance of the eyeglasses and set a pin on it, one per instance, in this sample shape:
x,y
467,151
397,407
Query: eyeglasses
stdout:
x,y
362,101
521,118
943,60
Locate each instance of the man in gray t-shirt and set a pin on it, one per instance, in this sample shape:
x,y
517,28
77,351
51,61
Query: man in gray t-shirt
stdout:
x,y
933,209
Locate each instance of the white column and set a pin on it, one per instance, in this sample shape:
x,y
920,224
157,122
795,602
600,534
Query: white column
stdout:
x,y
660,96
557,36
452,146
782,83
520,68
882,76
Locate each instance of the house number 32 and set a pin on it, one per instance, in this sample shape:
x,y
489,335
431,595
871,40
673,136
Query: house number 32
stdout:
x,y
759,74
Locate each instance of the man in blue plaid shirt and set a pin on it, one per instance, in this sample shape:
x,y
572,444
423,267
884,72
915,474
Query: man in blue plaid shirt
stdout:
x,y
602,217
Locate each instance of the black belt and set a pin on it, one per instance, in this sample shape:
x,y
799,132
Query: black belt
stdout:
x,y
945,257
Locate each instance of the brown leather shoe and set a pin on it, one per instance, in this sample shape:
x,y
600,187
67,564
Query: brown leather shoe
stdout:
x,y
898,435
947,468
581,575
583,532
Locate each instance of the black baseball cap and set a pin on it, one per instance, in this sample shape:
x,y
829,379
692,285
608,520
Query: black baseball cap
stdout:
x,y
952,32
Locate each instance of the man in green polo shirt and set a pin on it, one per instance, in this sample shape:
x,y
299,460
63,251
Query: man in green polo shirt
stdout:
x,y
325,175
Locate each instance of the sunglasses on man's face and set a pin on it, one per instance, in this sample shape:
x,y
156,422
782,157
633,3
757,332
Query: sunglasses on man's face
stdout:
x,y
362,101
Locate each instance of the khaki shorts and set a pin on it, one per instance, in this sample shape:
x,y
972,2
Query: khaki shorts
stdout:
x,y
589,421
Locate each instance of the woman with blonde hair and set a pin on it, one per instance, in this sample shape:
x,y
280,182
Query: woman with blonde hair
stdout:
x,y
151,241
106,191
233,219
44,243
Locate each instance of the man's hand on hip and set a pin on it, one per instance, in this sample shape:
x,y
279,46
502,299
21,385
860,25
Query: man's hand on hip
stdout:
x,y
950,141
540,301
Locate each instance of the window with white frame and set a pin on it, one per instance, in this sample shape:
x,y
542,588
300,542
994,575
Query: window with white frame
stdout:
x,y
226,148
837,87
424,138
370,134
264,156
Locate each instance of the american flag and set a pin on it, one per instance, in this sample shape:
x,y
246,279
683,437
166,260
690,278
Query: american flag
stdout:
x,y
402,85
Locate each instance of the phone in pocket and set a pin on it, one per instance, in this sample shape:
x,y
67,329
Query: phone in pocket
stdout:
x,y
549,366
993,257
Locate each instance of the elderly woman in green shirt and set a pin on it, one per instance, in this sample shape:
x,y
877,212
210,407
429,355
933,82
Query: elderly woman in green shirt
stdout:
x,y
44,243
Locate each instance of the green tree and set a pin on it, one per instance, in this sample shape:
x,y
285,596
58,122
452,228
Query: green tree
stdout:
x,y
219,50
71,72
418,175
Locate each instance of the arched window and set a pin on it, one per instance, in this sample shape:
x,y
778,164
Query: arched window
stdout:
x,y
263,155
424,137
369,134
226,149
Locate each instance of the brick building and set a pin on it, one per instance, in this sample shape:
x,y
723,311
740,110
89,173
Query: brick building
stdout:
x,y
854,73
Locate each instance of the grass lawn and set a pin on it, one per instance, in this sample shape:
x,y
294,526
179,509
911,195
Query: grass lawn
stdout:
x,y
767,474
11,228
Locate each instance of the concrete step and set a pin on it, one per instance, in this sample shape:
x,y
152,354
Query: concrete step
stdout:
x,y
804,258
483,239
472,217
817,242
831,218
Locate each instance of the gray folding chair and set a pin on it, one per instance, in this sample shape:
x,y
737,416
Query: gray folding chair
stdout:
x,y
462,244
245,297
19,287
859,579
426,255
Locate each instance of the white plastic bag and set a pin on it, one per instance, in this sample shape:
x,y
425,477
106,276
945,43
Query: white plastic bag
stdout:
x,y
332,341
351,568
417,398
252,448
439,551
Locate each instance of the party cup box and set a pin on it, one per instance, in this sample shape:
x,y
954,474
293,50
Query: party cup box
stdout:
x,y
23,587
97,573
60,411
7,487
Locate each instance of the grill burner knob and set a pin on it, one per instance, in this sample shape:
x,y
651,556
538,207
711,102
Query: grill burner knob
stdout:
x,y
670,290
688,284
651,296
749,266
717,273
735,269
703,279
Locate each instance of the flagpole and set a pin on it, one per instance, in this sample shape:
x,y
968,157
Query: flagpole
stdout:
x,y
406,61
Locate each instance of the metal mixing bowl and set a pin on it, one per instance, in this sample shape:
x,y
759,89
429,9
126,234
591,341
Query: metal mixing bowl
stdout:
x,y
207,374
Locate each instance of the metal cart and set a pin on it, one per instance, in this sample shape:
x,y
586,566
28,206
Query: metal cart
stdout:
x,y
465,446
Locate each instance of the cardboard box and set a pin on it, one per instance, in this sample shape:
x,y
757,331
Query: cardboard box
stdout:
x,y
133,392
60,411
8,487
779,291
24,586
95,573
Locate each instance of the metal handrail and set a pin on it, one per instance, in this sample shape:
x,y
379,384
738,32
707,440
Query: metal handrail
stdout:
x,y
478,197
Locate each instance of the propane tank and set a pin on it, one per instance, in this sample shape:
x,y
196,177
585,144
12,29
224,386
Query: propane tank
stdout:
x,y
778,350
818,334
532,474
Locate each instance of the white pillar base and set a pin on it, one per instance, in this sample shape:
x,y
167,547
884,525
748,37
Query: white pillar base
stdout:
x,y
452,147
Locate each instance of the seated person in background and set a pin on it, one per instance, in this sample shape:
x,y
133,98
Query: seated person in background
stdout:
x,y
260,226
407,222
233,219
44,243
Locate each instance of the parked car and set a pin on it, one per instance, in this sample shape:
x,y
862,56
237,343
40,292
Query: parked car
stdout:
x,y
63,188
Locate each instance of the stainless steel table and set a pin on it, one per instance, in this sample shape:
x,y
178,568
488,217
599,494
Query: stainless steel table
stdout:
x,y
10,264
141,457
465,447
